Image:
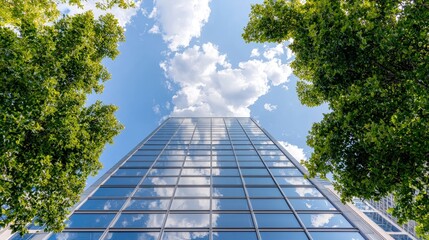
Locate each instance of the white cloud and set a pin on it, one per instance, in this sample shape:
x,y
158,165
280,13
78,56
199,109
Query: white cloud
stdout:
x,y
210,86
271,53
255,53
180,20
295,151
269,107
156,109
123,15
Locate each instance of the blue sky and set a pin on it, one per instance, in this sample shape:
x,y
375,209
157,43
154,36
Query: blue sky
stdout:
x,y
187,58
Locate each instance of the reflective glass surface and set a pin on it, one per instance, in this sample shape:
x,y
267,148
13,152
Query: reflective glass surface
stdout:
x,y
324,220
132,220
76,236
90,220
284,236
132,235
148,204
230,204
102,204
191,220
276,220
199,176
234,236
185,236
336,235
232,220
269,204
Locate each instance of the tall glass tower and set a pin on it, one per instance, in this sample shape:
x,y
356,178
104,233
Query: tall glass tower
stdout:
x,y
209,178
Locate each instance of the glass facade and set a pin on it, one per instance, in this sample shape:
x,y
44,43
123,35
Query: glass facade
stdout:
x,y
208,178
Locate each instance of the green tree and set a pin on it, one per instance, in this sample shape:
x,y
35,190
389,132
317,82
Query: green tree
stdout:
x,y
369,60
50,139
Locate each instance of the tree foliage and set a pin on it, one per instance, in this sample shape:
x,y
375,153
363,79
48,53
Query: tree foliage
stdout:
x,y
50,139
370,61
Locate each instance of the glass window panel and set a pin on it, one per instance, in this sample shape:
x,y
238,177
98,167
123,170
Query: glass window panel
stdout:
x,y
200,147
221,146
301,192
164,171
248,158
223,158
276,220
102,204
239,142
197,164
76,236
160,181
168,164
144,147
285,172
27,236
245,152
226,180
220,141
131,172
263,142
196,171
243,147
222,152
154,192
199,152
142,158
171,157
194,181
113,192
197,158
330,220
284,163
292,181
228,192
185,236
251,164
90,220
225,172
254,171
147,152
274,158
263,192
234,236
271,152
148,204
230,204
285,236
270,146
133,181
382,222
174,152
311,204
269,204
195,220
190,204
232,220
133,220
336,235
132,235
193,191
224,164
258,181
138,164
400,237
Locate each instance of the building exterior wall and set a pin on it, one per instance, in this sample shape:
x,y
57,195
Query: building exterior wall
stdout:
x,y
209,178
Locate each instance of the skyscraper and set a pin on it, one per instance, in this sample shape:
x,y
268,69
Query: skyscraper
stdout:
x,y
209,178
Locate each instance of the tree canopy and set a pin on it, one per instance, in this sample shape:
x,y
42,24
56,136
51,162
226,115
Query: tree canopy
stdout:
x,y
369,60
51,139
